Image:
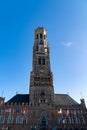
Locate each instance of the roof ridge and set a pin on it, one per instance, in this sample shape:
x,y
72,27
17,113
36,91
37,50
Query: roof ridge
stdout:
x,y
60,94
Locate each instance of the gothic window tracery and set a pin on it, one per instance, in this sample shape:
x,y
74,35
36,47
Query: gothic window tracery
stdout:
x,y
18,120
60,119
24,120
68,120
74,119
2,119
10,119
81,120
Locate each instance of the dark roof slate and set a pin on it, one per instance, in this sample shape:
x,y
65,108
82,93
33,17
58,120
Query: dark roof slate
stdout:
x,y
60,99
19,98
64,99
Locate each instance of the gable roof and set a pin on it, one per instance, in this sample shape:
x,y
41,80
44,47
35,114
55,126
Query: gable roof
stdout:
x,y
19,98
60,99
64,99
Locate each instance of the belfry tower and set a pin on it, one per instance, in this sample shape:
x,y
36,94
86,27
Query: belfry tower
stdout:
x,y
41,79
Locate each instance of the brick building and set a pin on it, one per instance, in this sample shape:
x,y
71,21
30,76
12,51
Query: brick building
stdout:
x,y
42,109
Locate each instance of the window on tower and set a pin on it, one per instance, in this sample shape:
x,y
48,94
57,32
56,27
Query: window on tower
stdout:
x,y
39,61
43,61
37,36
40,35
36,48
41,43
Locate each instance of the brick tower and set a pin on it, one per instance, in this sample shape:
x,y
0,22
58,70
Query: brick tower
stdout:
x,y
41,79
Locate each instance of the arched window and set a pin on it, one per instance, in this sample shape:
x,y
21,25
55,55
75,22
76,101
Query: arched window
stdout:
x,y
68,121
18,120
41,42
10,119
81,120
42,94
74,120
39,61
60,119
40,35
2,119
24,120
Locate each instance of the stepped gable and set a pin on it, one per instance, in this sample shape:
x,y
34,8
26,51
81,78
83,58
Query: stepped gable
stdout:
x,y
64,99
19,98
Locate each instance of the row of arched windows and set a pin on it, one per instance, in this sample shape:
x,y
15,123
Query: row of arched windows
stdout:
x,y
61,120
40,36
71,120
10,119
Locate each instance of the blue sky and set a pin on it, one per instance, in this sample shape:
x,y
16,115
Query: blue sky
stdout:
x,y
66,22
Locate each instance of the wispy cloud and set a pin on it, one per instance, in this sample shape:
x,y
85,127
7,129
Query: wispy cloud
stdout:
x,y
67,44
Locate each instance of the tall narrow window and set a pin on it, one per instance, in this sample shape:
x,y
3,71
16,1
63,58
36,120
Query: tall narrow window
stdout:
x,y
39,61
68,120
40,35
81,120
60,119
2,119
37,36
10,119
18,120
25,120
36,48
74,120
43,61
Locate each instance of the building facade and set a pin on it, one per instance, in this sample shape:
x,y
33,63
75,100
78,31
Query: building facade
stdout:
x,y
42,109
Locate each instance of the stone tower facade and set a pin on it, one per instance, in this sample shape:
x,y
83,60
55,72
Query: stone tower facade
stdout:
x,y
41,79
